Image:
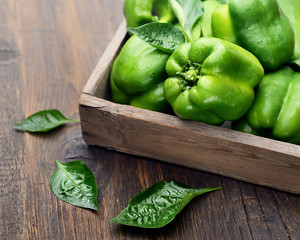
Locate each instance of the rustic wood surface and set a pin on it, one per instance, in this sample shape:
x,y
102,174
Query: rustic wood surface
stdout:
x,y
48,49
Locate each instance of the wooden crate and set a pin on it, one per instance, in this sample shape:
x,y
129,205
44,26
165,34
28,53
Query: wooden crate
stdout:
x,y
168,138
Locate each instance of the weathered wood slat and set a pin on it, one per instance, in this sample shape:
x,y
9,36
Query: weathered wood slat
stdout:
x,y
214,149
12,157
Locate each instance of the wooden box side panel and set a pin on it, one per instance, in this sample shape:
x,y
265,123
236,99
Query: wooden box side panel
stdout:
x,y
197,145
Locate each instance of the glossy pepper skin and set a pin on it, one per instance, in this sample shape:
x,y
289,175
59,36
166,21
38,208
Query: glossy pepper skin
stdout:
x,y
139,12
258,26
221,24
277,105
243,125
137,76
291,8
205,20
211,80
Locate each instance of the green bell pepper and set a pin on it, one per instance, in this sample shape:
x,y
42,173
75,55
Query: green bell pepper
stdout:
x,y
221,24
258,26
243,125
211,80
139,12
277,105
205,20
137,76
291,8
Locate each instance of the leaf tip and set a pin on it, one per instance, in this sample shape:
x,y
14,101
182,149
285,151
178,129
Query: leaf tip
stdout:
x,y
17,127
215,188
96,207
112,220
58,163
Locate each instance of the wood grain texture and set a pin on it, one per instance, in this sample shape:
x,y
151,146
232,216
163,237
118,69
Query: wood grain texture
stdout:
x,y
48,50
193,144
12,157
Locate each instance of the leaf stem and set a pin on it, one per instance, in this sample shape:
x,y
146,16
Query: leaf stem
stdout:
x,y
74,120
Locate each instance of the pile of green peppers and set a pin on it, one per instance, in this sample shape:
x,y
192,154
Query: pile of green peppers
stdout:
x,y
242,66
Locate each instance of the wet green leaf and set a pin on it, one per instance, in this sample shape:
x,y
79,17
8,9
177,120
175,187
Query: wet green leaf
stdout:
x,y
158,205
74,183
188,12
163,36
43,121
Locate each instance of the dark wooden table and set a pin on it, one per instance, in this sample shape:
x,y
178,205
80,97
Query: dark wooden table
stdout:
x,y
48,49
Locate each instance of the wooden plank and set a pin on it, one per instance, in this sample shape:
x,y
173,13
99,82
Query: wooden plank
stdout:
x,y
268,215
60,42
12,157
198,145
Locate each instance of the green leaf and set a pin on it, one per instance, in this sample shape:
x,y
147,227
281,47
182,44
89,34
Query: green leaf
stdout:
x,y
74,183
163,36
43,121
188,12
158,205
